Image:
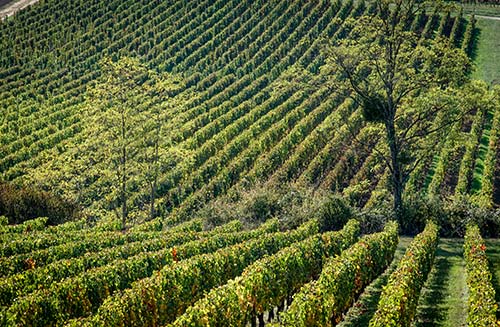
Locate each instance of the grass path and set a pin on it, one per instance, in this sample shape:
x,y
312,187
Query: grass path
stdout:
x,y
362,311
443,299
487,58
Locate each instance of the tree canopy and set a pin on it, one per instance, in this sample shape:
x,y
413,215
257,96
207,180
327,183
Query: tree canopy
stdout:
x,y
413,86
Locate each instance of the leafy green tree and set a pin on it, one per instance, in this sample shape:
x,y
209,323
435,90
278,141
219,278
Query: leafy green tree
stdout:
x,y
128,127
409,85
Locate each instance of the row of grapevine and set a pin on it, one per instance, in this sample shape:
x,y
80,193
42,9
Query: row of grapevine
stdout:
x,y
36,277
37,224
40,246
398,302
84,293
485,195
266,284
471,146
251,45
313,143
323,302
482,307
323,161
151,301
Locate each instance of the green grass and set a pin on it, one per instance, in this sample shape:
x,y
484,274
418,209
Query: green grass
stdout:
x,y
484,10
362,311
443,298
482,151
487,53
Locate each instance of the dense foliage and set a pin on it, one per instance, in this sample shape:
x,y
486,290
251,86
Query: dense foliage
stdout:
x,y
19,204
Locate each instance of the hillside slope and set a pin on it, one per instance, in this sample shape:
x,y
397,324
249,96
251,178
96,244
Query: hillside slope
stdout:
x,y
244,121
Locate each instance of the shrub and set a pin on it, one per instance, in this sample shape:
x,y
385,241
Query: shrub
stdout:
x,y
333,213
452,214
20,204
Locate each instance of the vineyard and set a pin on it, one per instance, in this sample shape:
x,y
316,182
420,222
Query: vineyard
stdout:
x,y
225,276
237,119
217,108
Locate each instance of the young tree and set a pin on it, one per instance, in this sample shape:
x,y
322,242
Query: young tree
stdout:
x,y
127,118
157,152
115,100
402,82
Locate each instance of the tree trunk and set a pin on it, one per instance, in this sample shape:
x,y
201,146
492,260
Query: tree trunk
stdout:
x,y
124,176
156,160
396,172
152,211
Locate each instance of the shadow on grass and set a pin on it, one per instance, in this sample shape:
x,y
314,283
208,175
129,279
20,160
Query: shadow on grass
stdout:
x,y
474,46
431,311
494,281
441,300
363,310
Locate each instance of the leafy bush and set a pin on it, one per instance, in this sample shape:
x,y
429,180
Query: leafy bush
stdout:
x,y
25,203
293,205
373,220
452,214
333,213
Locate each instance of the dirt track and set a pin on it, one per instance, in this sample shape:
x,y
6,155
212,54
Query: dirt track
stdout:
x,y
488,17
14,6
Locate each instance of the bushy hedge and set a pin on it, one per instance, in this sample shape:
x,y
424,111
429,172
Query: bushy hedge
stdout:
x,y
398,302
322,302
482,306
